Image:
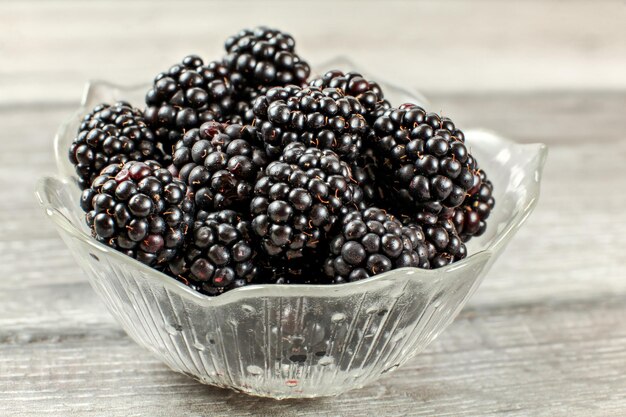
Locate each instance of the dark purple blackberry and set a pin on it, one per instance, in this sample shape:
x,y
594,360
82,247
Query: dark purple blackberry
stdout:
x,y
264,57
371,242
111,134
139,209
220,255
292,211
220,164
369,93
425,161
325,119
323,164
443,242
187,95
470,218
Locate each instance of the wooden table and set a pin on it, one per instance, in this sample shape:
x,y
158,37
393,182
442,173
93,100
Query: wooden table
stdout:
x,y
544,335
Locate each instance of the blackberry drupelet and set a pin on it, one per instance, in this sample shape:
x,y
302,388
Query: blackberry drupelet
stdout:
x,y
325,119
292,211
220,254
371,242
111,134
369,93
264,57
323,164
139,209
220,164
187,95
470,218
425,161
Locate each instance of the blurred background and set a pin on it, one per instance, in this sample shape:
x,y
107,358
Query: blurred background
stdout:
x,y
546,327
452,46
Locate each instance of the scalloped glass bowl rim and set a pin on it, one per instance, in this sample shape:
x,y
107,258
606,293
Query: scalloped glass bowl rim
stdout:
x,y
261,290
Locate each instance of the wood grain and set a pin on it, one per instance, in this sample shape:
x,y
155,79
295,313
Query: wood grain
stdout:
x,y
48,49
544,335
565,359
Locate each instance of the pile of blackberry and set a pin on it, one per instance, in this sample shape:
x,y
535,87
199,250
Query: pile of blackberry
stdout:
x,y
244,170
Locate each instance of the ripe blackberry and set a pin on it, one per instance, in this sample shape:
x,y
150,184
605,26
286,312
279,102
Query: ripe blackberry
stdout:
x,y
220,255
372,242
139,209
111,134
426,163
219,164
323,164
443,242
292,211
325,119
470,218
369,93
264,57
187,95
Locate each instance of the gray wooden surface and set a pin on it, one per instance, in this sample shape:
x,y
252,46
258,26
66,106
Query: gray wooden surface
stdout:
x,y
545,334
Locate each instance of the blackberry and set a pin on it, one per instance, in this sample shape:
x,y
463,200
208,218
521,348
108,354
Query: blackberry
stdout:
x,y
292,211
369,93
443,242
111,134
323,164
219,164
264,57
139,209
425,161
470,218
187,95
220,255
372,242
325,119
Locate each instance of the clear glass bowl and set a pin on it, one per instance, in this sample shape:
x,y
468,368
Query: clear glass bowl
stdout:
x,y
291,341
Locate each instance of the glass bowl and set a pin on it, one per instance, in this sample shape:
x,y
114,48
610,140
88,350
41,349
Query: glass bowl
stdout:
x,y
291,341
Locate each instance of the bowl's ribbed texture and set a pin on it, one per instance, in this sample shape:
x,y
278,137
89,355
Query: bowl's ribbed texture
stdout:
x,y
282,345
292,341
